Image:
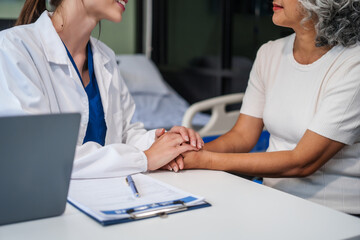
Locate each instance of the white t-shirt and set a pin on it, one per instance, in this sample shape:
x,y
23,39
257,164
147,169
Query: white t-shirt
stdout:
x,y
323,97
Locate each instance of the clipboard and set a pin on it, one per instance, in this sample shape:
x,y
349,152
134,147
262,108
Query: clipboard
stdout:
x,y
110,201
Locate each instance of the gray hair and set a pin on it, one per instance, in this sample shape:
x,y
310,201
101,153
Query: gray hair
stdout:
x,y
337,21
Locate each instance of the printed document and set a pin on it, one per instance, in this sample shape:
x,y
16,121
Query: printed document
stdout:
x,y
112,198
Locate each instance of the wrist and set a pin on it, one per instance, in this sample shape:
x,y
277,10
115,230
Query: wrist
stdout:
x,y
196,160
149,162
205,159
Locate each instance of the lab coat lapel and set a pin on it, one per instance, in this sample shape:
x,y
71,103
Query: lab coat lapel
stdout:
x,y
53,47
103,73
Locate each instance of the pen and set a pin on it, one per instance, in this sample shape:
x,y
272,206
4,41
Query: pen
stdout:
x,y
131,183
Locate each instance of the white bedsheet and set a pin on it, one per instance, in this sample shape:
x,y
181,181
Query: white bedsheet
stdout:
x,y
157,111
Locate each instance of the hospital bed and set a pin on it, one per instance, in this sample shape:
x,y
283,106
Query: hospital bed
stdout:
x,y
157,104
221,120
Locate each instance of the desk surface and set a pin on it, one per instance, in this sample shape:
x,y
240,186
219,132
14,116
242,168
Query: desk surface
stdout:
x,y
240,209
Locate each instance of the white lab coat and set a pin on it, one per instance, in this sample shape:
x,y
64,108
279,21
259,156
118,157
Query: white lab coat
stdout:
x,y
36,77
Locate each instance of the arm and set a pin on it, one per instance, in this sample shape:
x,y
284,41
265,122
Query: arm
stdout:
x,y
312,152
241,138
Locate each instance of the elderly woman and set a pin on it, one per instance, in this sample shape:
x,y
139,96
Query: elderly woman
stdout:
x,y
305,89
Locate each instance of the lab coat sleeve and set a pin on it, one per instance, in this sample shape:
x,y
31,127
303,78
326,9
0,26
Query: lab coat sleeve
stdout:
x,y
95,161
21,88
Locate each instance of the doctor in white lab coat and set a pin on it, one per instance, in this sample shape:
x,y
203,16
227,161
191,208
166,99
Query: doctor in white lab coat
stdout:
x,y
37,76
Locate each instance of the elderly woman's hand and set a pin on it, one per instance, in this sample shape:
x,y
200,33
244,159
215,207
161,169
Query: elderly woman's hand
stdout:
x,y
175,165
196,159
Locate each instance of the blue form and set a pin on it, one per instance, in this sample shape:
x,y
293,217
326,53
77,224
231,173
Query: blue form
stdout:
x,y
150,206
96,129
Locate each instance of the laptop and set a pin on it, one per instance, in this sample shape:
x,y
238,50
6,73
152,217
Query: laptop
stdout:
x,y
36,159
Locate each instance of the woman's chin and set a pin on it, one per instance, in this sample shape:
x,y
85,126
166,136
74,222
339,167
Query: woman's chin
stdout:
x,y
116,20
277,21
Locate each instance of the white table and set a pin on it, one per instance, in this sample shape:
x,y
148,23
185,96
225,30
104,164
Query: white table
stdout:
x,y
240,209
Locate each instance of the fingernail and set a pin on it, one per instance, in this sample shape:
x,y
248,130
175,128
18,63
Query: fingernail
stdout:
x,y
199,145
193,143
187,138
170,169
176,169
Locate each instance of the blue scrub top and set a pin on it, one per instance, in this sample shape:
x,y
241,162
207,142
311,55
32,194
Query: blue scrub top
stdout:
x,y
96,129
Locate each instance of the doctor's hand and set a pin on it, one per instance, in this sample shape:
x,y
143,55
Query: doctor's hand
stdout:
x,y
176,164
159,132
165,149
189,135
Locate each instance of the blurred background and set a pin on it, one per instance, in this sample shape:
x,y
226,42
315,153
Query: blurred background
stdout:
x,y
203,48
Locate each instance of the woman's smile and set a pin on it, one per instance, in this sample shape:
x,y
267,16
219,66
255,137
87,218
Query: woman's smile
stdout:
x,y
122,3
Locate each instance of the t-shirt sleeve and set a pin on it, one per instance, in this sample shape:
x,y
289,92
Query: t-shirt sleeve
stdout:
x,y
254,99
338,112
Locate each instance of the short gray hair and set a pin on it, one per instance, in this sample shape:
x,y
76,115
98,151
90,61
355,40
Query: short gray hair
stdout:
x,y
337,21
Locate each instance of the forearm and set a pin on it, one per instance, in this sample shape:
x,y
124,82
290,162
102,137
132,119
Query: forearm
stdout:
x,y
230,142
241,138
272,164
264,164
312,152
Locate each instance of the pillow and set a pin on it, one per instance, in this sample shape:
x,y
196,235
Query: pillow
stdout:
x,y
141,75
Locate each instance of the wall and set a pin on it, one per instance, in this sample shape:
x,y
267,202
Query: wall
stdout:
x,y
195,29
10,9
120,36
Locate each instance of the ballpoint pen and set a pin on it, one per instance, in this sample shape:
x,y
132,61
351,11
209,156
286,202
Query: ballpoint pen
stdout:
x,y
131,183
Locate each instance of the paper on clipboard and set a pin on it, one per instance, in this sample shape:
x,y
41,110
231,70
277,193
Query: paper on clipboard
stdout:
x,y
111,199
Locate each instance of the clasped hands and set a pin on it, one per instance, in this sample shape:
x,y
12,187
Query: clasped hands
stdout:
x,y
165,153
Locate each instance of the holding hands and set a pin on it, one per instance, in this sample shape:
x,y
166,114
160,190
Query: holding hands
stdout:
x,y
166,151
